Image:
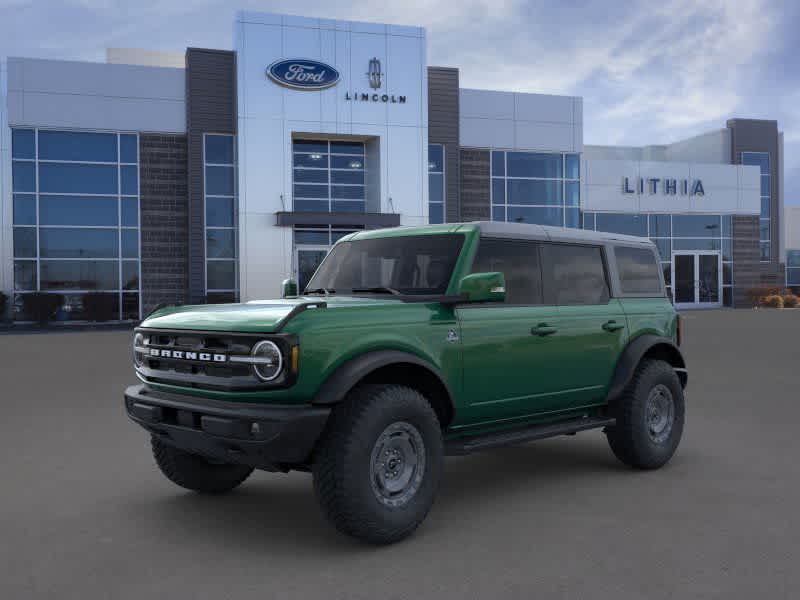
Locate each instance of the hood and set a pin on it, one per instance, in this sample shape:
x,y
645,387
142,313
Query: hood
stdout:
x,y
257,316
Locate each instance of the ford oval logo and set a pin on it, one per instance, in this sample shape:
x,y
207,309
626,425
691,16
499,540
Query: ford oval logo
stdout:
x,y
303,74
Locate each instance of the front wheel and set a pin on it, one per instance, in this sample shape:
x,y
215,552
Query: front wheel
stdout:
x,y
378,464
650,416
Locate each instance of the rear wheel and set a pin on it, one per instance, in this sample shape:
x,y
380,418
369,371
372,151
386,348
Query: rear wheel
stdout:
x,y
194,472
650,417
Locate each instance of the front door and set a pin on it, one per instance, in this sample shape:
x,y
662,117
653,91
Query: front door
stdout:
x,y
697,279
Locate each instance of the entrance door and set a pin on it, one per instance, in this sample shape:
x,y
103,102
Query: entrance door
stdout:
x,y
308,259
697,279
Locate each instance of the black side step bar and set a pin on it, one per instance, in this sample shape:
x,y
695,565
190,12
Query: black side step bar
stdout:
x,y
467,445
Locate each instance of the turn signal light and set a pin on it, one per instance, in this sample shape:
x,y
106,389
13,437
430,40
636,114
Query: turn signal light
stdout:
x,y
295,358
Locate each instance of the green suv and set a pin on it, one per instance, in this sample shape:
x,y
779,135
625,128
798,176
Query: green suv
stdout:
x,y
409,344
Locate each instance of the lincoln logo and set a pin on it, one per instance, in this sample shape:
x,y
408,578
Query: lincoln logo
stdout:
x,y
182,354
301,74
374,74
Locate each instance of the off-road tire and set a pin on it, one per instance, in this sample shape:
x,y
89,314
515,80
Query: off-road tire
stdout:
x,y
343,462
196,473
631,438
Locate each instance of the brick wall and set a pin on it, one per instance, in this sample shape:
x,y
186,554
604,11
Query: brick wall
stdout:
x,y
165,232
475,199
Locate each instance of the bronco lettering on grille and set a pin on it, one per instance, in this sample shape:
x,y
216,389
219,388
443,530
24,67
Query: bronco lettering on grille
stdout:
x,y
181,354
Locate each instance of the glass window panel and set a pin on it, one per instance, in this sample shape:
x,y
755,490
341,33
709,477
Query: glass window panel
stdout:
x,y
435,158
765,207
128,148
355,177
765,185
317,161
793,277
518,261
727,226
25,242
130,274
348,206
727,249
129,180
763,229
310,191
727,296
24,209
219,212
793,258
311,205
310,146
311,175
638,270
532,164
536,214
759,159
526,191
221,274
628,224
573,166
56,242
130,306
316,238
77,145
77,179
695,244
337,235
572,189
130,212
77,210
573,275
660,226
23,176
498,163
666,268
588,221
220,243
219,181
130,243
347,192
498,213
23,143
664,248
347,148
498,191
766,251
727,273
220,297
219,149
436,187
80,275
25,275
345,162
436,213
572,217
695,225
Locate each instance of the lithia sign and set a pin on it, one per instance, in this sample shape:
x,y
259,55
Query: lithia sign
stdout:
x,y
667,186
306,74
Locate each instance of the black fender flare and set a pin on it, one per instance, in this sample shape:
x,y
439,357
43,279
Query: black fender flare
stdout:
x,y
347,375
629,359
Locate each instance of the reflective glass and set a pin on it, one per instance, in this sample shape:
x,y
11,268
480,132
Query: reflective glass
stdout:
x,y
498,191
628,224
23,143
573,275
25,242
219,149
588,221
356,176
638,271
130,243
527,191
219,212
765,185
664,248
759,159
435,158
337,235
572,189
793,258
128,148
531,164
25,275
793,277
77,210
727,273
78,146
666,268
308,261
79,275
765,207
498,213
77,179
572,217
129,183
518,261
315,238
763,229
310,191
23,176
660,226
766,251
348,206
130,306
727,249
312,175
695,225
695,244
536,214
221,274
78,243
24,209
727,226
130,275
436,187
220,243
318,161
498,163
220,297
311,205
347,192
219,181
436,213
344,162
130,212
727,296
347,148
573,166
310,146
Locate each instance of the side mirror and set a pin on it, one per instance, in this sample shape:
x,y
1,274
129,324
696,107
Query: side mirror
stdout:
x,y
483,287
288,288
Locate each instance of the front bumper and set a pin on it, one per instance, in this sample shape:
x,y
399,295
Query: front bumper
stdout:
x,y
266,437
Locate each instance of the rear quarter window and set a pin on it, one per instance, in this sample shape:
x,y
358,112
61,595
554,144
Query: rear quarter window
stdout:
x,y
638,271
574,275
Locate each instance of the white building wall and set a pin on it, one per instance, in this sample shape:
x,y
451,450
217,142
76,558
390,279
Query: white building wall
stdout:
x,y
713,147
269,115
6,205
490,119
82,95
791,228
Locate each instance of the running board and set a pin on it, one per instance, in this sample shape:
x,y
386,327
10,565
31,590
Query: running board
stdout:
x,y
466,445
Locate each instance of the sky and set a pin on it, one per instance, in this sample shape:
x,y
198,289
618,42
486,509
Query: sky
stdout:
x,y
649,72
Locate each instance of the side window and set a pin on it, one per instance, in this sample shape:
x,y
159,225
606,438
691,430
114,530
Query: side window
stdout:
x,y
638,271
518,261
574,275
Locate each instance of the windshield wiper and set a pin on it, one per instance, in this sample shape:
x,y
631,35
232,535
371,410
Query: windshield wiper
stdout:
x,y
321,290
378,289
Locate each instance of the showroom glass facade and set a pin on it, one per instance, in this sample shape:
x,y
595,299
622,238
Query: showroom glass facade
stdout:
x,y
76,219
328,176
221,223
793,268
435,183
761,160
675,233
535,187
311,244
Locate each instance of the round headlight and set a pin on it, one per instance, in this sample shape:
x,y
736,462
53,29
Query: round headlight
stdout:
x,y
138,342
268,362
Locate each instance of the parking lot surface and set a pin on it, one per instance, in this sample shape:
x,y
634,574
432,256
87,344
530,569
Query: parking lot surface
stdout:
x,y
85,514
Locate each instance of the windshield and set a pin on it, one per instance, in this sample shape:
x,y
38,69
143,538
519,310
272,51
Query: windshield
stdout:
x,y
419,264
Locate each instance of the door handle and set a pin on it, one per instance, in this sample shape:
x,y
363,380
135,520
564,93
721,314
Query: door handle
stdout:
x,y
612,325
543,329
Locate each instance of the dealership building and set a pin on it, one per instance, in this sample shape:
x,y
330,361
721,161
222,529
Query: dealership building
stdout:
x,y
212,175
